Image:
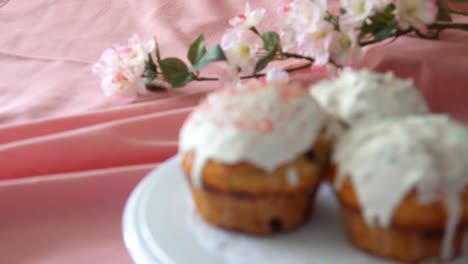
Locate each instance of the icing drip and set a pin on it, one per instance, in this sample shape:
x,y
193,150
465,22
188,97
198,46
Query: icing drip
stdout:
x,y
427,154
363,96
265,124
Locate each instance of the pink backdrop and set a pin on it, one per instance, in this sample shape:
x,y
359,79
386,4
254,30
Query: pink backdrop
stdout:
x,y
69,156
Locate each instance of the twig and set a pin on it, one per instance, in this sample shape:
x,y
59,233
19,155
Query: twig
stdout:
x,y
448,25
297,56
395,35
433,36
458,12
257,75
206,79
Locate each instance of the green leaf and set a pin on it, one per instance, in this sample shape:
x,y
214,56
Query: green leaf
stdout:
x,y
263,62
379,22
271,43
383,33
196,50
175,72
155,88
212,55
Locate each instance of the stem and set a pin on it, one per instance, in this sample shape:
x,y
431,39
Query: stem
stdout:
x,y
257,75
458,12
448,25
444,11
254,30
397,34
432,36
297,56
206,79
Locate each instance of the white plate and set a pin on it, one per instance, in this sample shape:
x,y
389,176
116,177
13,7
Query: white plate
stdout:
x,y
160,228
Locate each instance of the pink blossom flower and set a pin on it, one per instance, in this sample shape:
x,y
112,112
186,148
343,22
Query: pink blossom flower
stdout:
x,y
240,53
415,13
249,19
121,67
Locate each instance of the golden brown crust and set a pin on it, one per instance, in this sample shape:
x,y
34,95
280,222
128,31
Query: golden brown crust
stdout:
x,y
416,230
399,245
245,198
254,215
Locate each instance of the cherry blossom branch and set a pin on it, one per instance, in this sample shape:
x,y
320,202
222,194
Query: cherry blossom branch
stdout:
x,y
329,39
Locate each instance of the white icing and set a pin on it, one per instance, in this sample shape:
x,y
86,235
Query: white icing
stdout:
x,y
265,124
387,160
292,176
363,96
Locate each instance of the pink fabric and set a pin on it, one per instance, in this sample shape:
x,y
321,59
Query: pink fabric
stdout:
x,y
69,156
68,218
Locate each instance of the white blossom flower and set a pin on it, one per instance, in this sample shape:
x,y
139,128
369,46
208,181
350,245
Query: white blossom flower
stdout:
x,y
415,13
277,76
288,38
239,52
121,67
307,12
316,41
249,19
295,17
357,11
345,48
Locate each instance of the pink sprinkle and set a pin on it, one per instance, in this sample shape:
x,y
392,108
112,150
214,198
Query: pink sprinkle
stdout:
x,y
265,126
286,9
241,124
